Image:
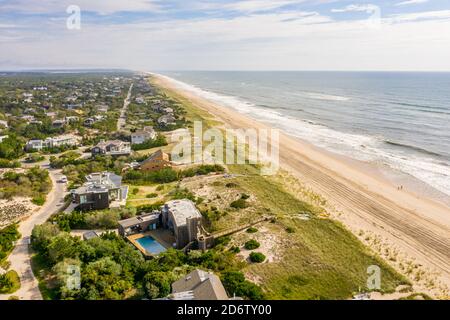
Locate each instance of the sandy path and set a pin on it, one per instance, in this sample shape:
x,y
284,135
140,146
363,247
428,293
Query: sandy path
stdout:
x,y
417,226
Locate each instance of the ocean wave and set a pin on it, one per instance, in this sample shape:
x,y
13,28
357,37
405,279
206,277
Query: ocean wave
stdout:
x,y
414,148
323,96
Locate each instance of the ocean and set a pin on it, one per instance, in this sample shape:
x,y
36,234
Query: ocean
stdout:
x,y
396,120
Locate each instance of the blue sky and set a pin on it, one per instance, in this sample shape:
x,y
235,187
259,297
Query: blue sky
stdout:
x,y
227,35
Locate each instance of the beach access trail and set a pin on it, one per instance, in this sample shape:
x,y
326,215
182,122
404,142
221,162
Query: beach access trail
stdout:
x,y
418,226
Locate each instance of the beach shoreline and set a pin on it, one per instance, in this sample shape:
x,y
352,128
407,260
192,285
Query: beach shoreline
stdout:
x,y
416,225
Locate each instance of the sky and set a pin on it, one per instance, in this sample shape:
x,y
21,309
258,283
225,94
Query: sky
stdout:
x,y
153,35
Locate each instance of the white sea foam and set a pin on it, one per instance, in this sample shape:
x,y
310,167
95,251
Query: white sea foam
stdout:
x,y
361,147
322,96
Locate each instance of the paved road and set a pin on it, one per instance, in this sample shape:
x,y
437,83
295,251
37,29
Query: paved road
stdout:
x,y
20,256
123,113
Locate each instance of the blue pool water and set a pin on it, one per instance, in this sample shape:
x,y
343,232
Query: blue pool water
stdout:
x,y
151,245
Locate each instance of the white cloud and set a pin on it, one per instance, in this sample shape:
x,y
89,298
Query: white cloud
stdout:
x,y
369,8
409,2
427,15
259,5
99,6
263,41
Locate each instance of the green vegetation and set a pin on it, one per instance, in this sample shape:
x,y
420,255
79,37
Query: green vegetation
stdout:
x,y
236,285
102,219
33,183
252,245
252,230
112,268
239,204
8,236
257,257
33,158
11,148
168,175
9,164
9,282
151,195
159,141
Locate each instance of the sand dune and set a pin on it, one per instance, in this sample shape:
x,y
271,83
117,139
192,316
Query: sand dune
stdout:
x,y
415,225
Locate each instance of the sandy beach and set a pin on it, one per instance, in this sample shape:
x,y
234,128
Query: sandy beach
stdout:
x,y
414,225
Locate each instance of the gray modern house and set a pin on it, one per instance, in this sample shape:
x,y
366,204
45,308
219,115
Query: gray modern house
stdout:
x,y
183,219
99,191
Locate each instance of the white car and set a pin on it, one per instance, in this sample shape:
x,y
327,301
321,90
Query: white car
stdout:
x,y
63,179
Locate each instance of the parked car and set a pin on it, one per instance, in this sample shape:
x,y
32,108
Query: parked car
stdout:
x,y
63,179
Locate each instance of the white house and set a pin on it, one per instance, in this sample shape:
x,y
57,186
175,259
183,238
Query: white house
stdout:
x,y
141,136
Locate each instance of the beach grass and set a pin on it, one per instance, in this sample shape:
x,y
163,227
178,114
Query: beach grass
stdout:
x,y
321,258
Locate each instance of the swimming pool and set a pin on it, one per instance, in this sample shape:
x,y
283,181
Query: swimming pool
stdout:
x,y
150,245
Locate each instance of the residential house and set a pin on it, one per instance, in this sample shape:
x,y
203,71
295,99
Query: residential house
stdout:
x,y
55,142
72,119
100,191
34,145
141,136
142,223
3,138
4,124
111,147
198,285
166,120
89,122
59,123
140,100
183,219
157,161
103,108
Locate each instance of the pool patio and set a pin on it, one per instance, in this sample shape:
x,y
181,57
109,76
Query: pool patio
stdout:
x,y
163,237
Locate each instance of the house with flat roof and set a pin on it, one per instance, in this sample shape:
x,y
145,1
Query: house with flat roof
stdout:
x,y
142,223
183,219
100,191
198,285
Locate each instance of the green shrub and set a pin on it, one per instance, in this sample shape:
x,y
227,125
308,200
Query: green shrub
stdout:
x,y
257,257
231,185
39,200
135,191
4,163
252,244
252,230
235,284
239,204
245,196
9,282
151,195
235,249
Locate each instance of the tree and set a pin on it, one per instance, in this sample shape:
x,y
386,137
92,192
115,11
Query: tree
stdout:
x,y
236,284
157,284
42,234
